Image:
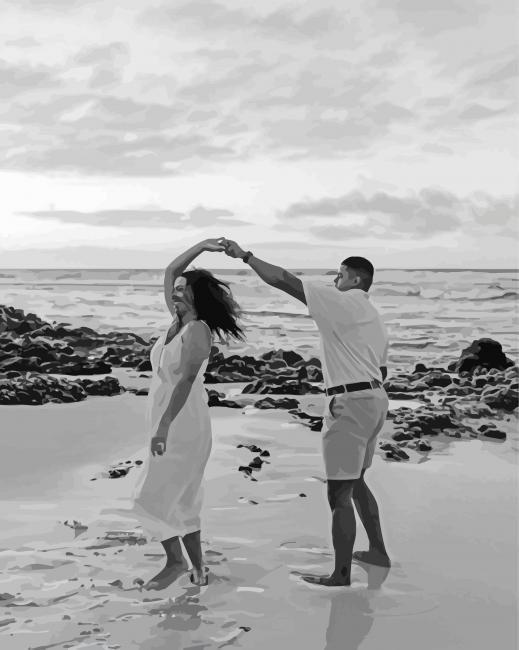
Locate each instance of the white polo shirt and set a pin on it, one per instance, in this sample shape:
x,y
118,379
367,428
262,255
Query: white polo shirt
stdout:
x,y
353,336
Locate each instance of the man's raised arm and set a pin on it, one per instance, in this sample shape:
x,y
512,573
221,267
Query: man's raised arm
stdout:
x,y
275,276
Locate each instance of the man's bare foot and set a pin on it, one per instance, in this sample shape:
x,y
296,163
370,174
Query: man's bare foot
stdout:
x,y
326,581
372,557
199,577
166,577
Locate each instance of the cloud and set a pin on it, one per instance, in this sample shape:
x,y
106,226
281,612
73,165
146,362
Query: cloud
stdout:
x,y
23,42
431,19
208,15
201,217
106,136
50,5
17,79
504,72
107,63
144,218
431,147
175,85
478,112
428,212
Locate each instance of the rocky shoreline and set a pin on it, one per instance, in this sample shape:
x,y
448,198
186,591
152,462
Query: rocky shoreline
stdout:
x,y
43,362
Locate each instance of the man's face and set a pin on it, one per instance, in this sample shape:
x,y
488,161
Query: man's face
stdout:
x,y
182,295
346,279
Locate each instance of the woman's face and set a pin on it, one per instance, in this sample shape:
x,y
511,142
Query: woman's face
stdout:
x,y
182,296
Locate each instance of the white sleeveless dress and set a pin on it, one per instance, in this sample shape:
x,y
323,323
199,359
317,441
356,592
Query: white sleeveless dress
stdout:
x,y
167,499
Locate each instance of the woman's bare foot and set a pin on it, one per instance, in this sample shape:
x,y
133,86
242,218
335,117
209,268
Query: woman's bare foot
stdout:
x,y
372,557
199,577
166,577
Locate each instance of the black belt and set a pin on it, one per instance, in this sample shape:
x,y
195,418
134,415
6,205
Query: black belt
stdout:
x,y
351,388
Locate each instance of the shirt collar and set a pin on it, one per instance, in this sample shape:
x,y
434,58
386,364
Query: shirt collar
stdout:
x,y
357,291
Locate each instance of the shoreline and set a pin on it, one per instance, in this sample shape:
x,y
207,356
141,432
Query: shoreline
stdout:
x,y
257,537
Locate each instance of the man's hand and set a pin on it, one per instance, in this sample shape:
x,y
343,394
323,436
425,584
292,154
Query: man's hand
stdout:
x,y
232,249
214,245
158,445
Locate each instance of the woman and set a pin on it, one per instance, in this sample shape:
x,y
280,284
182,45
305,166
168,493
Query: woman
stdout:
x,y
168,497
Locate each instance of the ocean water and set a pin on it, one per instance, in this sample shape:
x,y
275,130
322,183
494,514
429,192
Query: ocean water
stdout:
x,y
430,314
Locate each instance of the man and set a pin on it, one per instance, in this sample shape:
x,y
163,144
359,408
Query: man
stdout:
x,y
354,355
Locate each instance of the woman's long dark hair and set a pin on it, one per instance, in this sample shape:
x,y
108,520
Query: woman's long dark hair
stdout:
x,y
214,303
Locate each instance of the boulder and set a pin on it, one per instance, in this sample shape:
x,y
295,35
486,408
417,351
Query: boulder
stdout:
x,y
485,353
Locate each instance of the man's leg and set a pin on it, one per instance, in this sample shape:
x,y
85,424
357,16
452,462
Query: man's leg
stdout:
x,y
343,533
367,509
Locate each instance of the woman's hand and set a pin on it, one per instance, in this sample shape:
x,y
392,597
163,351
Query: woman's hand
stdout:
x,y
214,245
158,445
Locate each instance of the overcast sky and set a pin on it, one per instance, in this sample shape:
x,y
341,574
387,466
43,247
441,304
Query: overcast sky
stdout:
x,y
308,132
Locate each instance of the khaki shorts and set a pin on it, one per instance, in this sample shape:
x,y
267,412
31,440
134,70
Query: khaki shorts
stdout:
x,y
351,424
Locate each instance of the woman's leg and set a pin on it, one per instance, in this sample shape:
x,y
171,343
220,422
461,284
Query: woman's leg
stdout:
x,y
175,565
193,547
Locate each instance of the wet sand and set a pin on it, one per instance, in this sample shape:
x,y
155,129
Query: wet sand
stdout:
x,y
450,524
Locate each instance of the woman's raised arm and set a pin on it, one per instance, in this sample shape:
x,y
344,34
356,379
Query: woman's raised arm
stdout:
x,y
180,264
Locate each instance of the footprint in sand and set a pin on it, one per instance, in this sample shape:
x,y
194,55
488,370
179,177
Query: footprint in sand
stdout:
x,y
286,497
313,550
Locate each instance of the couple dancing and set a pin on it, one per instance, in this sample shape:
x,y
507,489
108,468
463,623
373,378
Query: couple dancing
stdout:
x,y
168,497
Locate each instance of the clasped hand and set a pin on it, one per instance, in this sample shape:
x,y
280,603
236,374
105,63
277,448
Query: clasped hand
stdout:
x,y
223,245
231,248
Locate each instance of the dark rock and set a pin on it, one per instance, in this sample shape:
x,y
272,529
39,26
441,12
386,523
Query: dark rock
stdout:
x,y
214,397
253,448
437,379
505,399
420,367
402,435
429,420
84,368
256,463
485,353
393,451
276,364
144,366
288,356
271,403
118,472
262,386
106,386
494,433
35,389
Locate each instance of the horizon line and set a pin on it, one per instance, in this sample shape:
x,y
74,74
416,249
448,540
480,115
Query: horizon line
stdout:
x,y
247,268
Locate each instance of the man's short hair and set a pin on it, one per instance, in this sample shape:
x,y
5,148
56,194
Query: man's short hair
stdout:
x,y
363,268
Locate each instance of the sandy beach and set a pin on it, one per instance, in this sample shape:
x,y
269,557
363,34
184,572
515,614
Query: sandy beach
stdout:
x,y
450,523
